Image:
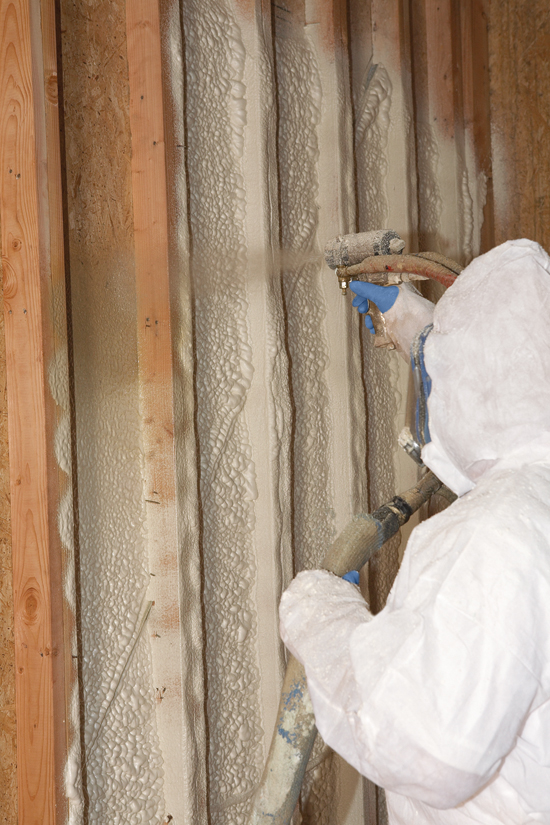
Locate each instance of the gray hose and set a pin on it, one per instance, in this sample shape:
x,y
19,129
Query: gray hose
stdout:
x,y
295,730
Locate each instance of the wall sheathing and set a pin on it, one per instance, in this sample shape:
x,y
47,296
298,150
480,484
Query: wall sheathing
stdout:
x,y
280,132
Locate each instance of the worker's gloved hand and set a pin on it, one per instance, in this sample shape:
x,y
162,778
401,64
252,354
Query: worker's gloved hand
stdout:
x,y
352,577
405,311
383,296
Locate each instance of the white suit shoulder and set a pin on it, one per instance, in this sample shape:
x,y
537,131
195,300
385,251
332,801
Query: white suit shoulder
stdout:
x,y
488,555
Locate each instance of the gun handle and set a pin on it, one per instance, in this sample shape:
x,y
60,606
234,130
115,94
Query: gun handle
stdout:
x,y
381,336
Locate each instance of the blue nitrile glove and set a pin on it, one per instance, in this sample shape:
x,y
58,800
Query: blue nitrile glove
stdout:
x,y
383,296
352,577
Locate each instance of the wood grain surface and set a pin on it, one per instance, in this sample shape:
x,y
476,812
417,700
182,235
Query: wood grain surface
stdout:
x,y
149,188
8,743
173,658
475,101
519,40
26,201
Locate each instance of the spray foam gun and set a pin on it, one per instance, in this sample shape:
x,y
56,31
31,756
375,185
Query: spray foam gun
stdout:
x,y
378,257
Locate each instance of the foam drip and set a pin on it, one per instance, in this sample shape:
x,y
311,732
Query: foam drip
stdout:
x,y
58,379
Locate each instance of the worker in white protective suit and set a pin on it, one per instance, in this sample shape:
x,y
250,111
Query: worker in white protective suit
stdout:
x,y
443,698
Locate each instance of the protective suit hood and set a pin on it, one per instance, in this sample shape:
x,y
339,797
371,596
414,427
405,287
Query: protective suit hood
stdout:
x,y
489,360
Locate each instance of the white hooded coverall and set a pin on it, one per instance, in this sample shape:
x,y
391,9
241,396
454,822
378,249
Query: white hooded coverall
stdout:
x,y
443,698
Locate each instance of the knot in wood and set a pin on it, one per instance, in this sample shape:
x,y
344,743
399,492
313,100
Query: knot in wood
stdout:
x,y
31,604
51,89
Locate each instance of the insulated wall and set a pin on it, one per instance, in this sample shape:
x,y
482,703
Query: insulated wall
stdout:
x,y
278,135
230,413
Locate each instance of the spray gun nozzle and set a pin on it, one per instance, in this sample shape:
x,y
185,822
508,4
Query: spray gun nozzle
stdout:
x,y
343,279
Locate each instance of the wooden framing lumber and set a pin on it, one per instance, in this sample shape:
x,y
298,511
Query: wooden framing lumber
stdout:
x,y
476,103
8,739
520,119
439,126
451,88
164,316
35,322
392,53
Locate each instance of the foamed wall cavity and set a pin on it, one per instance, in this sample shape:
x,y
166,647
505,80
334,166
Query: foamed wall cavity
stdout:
x,y
375,180
122,763
299,101
300,98
123,760
216,121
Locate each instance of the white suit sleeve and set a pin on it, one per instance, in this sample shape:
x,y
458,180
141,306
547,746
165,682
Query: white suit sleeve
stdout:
x,y
424,703
409,315
318,612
